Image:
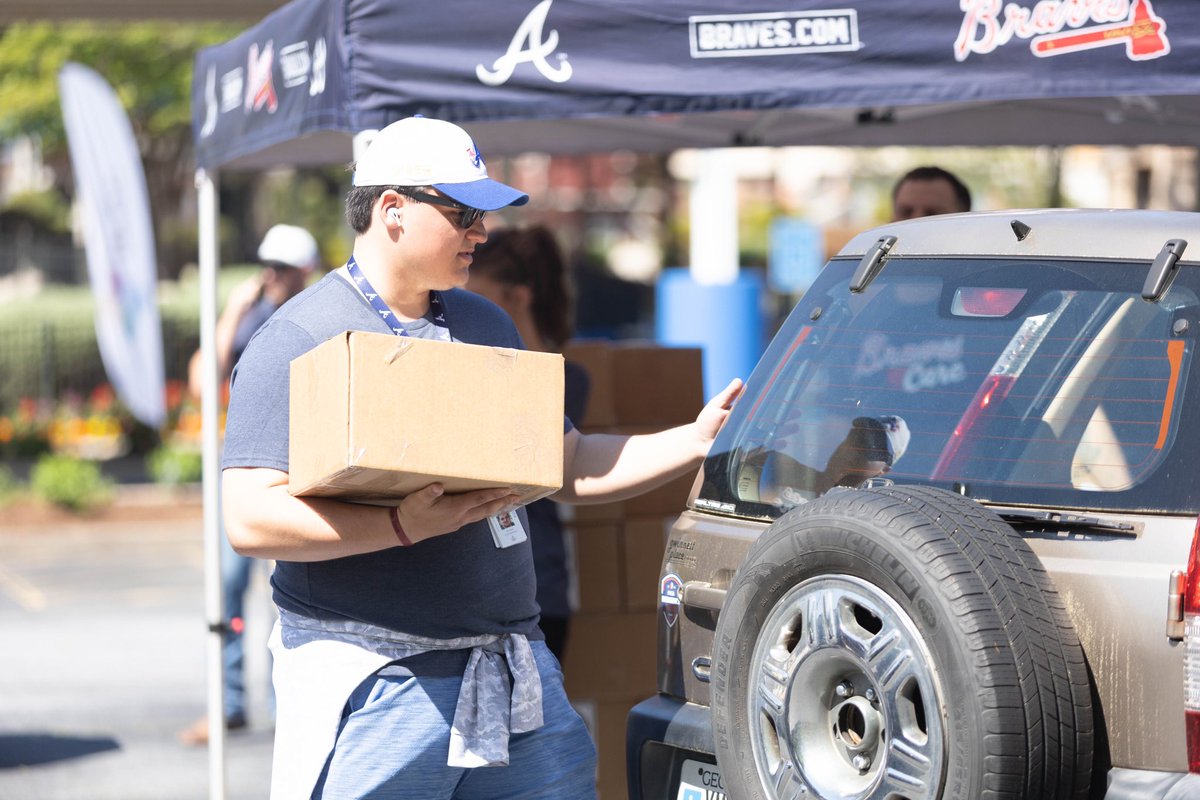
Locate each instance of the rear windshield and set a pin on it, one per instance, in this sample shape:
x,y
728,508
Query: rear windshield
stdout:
x,y
1046,384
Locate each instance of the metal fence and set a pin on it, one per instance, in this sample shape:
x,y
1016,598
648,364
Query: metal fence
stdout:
x,y
56,359
55,262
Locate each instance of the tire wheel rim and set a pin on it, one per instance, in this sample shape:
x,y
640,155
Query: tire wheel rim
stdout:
x,y
844,697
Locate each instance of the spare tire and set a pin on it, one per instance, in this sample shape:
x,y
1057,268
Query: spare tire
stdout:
x,y
899,642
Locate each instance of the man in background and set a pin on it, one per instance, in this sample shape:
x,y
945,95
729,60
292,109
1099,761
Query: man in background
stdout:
x,y
926,191
288,255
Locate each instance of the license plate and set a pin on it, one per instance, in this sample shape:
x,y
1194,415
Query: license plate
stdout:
x,y
700,781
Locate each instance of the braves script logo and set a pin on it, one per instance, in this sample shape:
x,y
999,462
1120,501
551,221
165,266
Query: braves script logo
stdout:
x,y
260,88
1133,24
528,45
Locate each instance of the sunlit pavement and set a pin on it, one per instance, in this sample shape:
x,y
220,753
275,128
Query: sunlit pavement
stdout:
x,y
102,663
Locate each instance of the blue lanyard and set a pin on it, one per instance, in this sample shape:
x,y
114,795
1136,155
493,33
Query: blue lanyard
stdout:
x,y
438,313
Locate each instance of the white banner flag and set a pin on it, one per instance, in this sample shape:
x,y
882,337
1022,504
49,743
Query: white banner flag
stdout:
x,y
118,240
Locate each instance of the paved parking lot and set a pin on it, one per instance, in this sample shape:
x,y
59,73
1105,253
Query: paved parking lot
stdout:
x,y
102,663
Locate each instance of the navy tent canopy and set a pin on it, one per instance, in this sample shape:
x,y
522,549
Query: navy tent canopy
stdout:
x,y
594,75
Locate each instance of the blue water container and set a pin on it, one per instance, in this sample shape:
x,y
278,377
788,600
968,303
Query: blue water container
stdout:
x,y
726,321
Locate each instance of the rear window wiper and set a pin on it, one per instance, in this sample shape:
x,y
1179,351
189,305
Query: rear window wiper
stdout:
x,y
1055,520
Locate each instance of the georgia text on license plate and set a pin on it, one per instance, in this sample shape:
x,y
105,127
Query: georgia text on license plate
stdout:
x,y
699,781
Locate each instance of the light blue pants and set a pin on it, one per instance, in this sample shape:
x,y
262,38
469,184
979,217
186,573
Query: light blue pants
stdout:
x,y
395,735
235,585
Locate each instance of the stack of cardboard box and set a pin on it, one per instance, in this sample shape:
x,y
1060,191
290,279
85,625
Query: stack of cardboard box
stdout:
x,y
616,549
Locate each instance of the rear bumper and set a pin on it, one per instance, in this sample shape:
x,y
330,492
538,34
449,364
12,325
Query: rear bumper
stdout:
x,y
660,733
663,731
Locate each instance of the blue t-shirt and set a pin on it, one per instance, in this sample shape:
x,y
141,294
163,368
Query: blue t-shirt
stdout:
x,y
459,584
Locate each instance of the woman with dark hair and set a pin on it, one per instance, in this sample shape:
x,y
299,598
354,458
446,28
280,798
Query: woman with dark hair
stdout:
x,y
522,270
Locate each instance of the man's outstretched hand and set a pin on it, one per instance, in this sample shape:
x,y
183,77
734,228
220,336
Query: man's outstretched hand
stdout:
x,y
716,411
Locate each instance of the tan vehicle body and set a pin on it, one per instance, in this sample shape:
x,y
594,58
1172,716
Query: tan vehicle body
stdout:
x,y
1115,583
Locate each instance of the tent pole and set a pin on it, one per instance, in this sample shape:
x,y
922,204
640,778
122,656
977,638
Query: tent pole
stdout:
x,y
209,213
713,208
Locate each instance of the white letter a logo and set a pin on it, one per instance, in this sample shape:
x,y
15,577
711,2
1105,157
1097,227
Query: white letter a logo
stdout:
x,y
528,45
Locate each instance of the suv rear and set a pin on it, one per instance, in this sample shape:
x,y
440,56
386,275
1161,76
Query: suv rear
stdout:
x,y
944,545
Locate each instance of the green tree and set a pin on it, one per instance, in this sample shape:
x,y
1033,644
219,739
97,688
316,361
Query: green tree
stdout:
x,y
149,64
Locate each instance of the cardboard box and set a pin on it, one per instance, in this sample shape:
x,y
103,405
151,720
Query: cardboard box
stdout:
x,y
643,544
593,513
606,723
639,383
612,720
593,357
612,656
375,417
655,385
670,498
594,567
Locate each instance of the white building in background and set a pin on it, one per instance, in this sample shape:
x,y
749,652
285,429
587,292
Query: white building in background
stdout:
x,y
25,254
846,190
1141,177
22,169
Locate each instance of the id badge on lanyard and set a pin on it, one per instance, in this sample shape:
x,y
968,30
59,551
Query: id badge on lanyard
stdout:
x,y
507,529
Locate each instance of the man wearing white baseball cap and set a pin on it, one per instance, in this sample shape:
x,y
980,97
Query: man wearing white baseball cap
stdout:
x,y
288,255
419,151
407,653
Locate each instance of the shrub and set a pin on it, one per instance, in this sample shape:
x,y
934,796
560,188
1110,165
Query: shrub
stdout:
x,y
9,487
25,433
174,465
48,345
49,209
69,482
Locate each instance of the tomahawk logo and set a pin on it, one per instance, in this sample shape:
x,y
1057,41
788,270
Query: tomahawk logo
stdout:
x,y
260,88
528,45
1133,24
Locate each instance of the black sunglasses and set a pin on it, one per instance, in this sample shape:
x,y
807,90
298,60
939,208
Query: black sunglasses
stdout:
x,y
467,216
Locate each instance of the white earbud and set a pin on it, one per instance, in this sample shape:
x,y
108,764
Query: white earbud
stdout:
x,y
394,215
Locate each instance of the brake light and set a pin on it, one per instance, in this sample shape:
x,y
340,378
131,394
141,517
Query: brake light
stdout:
x,y
1191,653
979,301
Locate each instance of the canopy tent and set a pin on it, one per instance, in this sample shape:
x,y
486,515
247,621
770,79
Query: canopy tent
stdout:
x,y
593,75
562,76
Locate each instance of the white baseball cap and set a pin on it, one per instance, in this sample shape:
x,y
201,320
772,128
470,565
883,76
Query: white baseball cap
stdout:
x,y
898,436
419,151
290,246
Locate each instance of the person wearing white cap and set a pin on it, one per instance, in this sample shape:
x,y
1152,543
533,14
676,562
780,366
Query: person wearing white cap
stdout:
x,y
288,255
407,652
